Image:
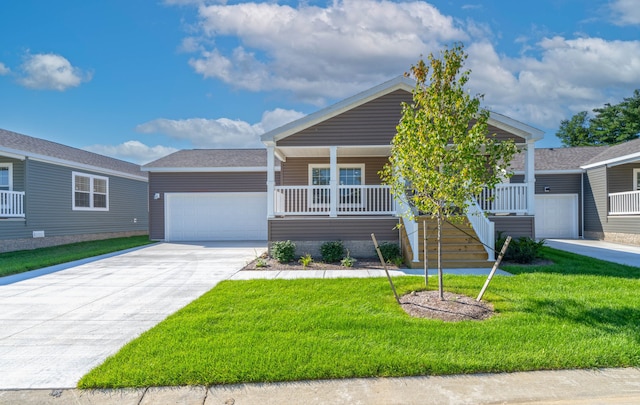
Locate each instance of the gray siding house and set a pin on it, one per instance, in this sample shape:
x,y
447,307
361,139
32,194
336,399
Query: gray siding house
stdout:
x,y
286,191
52,194
590,192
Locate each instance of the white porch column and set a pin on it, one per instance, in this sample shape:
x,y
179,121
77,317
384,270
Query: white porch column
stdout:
x,y
271,180
530,177
333,183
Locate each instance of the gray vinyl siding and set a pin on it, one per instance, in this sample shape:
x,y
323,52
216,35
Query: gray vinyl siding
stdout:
x,y
373,123
295,171
325,229
595,199
515,225
620,178
229,182
49,205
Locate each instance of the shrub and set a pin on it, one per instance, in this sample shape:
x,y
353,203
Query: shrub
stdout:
x,y
390,251
332,251
305,260
348,261
523,250
283,251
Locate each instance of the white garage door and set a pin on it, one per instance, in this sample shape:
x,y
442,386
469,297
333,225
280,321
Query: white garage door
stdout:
x,y
215,216
557,216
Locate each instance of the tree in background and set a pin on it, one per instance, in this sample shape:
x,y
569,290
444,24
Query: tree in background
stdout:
x,y
442,155
611,124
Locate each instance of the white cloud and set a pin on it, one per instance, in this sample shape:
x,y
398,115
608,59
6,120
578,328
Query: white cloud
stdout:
x,y
570,75
51,72
626,12
133,151
219,133
318,52
4,70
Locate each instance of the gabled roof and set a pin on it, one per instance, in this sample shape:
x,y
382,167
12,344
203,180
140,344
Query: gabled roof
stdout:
x,y
21,146
399,83
616,155
210,160
558,159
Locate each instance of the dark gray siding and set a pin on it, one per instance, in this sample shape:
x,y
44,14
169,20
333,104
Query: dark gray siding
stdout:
x,y
620,178
373,123
295,171
324,229
197,183
515,225
595,199
48,205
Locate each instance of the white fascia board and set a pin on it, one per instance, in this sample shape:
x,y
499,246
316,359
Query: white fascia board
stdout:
x,y
22,155
567,171
207,169
6,153
284,131
615,161
509,124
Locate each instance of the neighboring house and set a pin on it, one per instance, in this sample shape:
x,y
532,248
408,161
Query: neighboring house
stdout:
x,y
590,191
52,194
285,192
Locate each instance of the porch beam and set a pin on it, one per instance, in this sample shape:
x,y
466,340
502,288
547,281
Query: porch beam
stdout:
x,y
333,182
530,177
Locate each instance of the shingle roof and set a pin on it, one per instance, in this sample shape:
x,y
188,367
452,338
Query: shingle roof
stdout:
x,y
211,158
616,151
41,148
548,159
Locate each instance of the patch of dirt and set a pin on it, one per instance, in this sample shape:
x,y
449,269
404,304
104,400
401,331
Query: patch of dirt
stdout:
x,y
454,307
360,264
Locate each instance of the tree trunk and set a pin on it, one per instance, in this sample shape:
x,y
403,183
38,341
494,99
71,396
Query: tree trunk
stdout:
x,y
440,286
424,248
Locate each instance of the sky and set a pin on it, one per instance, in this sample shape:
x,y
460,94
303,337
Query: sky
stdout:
x,y
137,80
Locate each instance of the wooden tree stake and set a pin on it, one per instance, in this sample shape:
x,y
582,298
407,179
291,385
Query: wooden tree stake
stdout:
x,y
495,267
393,288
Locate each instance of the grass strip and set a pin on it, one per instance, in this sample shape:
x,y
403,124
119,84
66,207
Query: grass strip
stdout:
x,y
25,260
576,313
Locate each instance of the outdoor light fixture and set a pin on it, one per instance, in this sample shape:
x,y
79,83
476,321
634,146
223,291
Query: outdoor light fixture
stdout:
x,y
156,196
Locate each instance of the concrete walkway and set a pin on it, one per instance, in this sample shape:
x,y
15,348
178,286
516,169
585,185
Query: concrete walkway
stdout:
x,y
569,387
611,252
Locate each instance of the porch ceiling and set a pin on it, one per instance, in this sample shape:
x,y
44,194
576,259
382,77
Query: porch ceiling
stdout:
x,y
343,151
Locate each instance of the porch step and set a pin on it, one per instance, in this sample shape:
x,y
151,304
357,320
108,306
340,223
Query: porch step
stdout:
x,y
460,247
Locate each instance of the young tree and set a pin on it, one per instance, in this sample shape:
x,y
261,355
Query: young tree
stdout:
x,y
442,155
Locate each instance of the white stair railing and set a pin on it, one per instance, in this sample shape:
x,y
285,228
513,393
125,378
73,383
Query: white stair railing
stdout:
x,y
485,229
12,204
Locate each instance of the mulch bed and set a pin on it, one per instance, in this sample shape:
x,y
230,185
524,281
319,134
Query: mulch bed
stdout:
x,y
454,307
360,264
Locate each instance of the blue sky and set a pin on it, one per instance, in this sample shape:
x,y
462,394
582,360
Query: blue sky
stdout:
x,y
139,79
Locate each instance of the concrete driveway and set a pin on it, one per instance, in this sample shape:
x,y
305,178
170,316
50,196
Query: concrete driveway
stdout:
x,y
599,249
56,327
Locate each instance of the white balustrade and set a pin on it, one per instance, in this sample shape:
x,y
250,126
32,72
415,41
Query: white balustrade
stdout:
x,y
626,203
11,204
485,229
510,198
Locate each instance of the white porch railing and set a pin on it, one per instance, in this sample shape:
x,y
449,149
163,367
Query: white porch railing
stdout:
x,y
626,203
11,204
316,200
504,198
485,229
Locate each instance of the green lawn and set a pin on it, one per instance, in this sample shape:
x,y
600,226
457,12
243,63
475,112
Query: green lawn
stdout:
x,y
577,313
25,260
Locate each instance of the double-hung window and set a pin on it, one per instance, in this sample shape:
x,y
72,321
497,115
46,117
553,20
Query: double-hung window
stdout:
x,y
90,192
350,177
636,179
6,177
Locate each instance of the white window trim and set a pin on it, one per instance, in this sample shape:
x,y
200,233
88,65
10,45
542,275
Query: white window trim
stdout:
x,y
91,178
339,166
636,176
10,167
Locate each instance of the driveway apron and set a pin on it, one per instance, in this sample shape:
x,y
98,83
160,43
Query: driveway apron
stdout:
x,y
57,327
